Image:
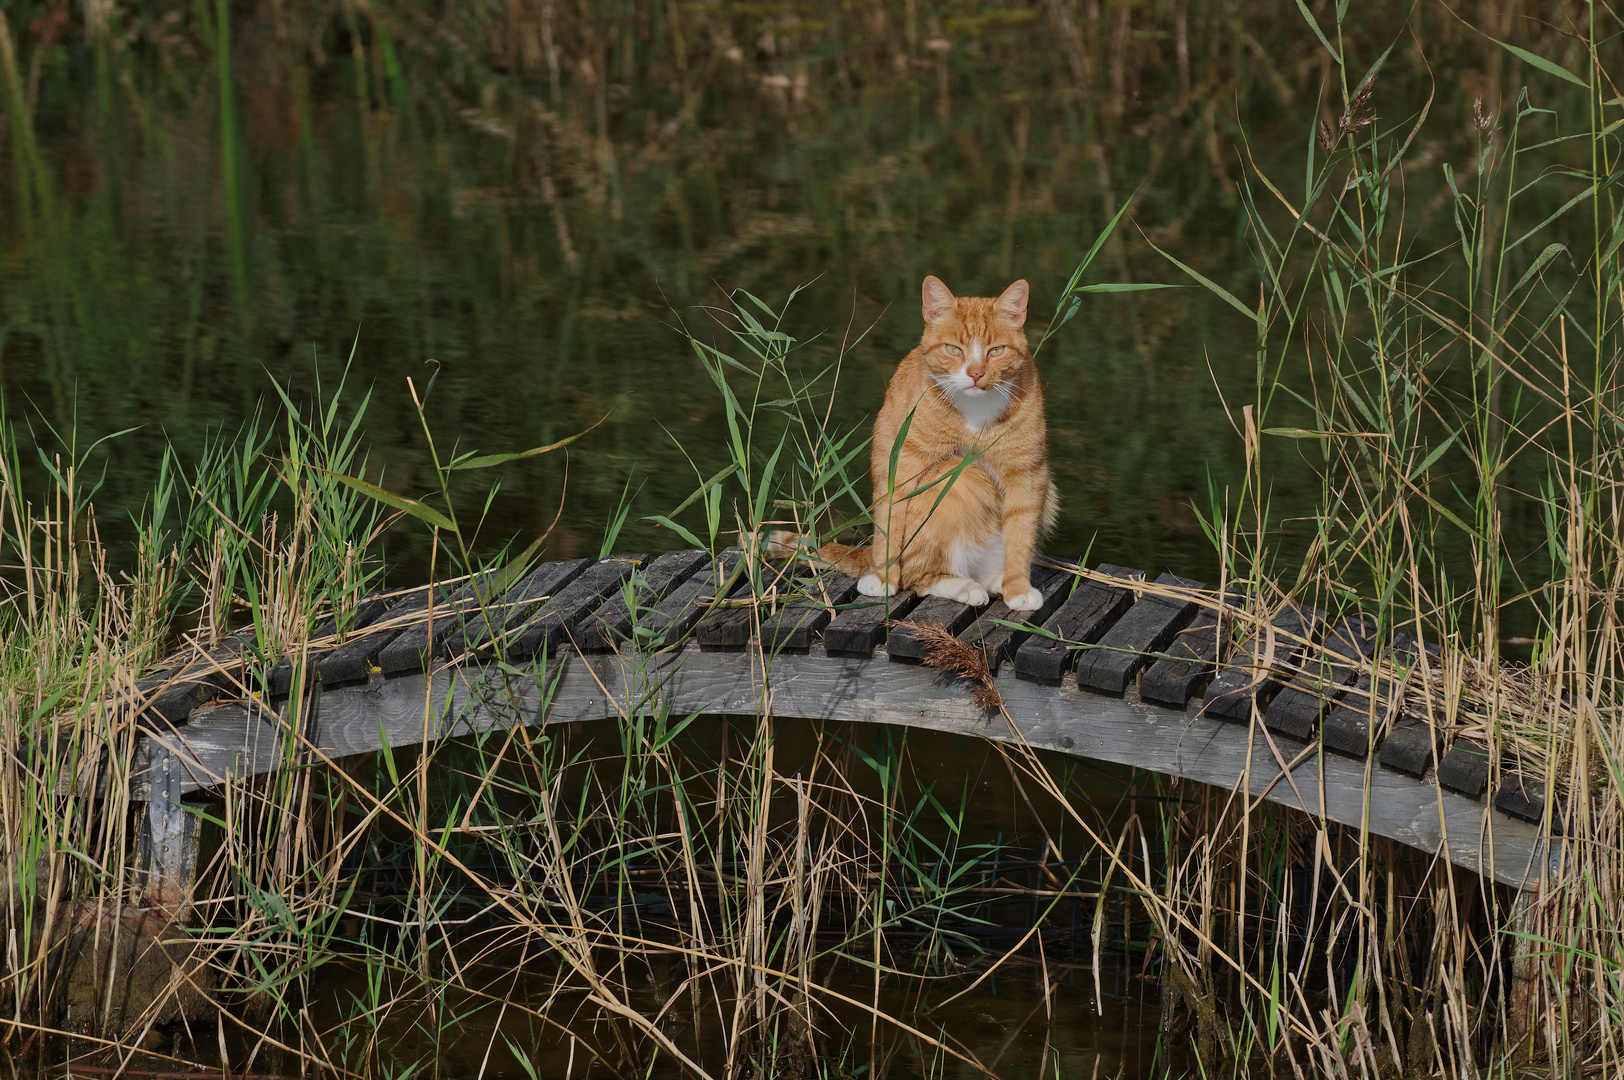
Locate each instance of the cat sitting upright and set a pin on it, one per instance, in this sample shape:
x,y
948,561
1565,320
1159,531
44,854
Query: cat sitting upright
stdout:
x,y
973,390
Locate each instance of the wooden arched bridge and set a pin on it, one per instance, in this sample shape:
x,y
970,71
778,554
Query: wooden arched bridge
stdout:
x,y
1299,710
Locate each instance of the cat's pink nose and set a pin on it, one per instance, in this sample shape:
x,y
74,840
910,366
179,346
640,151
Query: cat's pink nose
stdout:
x,y
975,375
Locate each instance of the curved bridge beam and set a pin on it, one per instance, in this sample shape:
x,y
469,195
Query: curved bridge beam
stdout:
x,y
235,740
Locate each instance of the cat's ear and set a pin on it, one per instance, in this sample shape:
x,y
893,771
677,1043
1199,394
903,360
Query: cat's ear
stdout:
x,y
938,299
1012,303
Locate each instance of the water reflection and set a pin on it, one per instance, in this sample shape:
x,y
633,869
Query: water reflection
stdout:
x,y
531,199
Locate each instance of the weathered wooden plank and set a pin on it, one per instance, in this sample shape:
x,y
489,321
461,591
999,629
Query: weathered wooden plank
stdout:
x,y
1256,670
503,618
796,625
172,695
1297,710
611,624
1147,627
1465,769
1080,620
856,631
730,628
553,624
279,679
1347,730
1410,746
173,699
676,615
905,647
1347,727
354,660
1521,797
154,682
1000,642
1192,657
424,642
239,741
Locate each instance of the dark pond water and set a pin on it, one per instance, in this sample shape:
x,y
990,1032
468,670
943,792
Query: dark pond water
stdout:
x,y
983,1004
530,199
530,203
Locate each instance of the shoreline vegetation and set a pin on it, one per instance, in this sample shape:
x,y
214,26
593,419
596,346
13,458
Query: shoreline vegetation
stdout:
x,y
670,899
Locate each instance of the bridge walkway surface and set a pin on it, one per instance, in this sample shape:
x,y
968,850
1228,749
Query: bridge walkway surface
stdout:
x,y
1159,675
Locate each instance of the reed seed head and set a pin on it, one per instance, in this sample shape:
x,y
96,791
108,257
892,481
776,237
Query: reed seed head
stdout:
x,y
946,653
1354,118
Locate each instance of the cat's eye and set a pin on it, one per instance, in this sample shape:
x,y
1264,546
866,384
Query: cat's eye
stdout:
x,y
953,350
995,350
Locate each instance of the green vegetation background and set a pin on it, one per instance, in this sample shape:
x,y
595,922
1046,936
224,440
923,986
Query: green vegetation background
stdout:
x,y
532,197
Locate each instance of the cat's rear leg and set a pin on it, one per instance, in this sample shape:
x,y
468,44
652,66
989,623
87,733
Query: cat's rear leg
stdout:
x,y
950,543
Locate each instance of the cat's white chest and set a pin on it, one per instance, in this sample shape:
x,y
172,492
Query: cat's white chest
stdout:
x,y
979,410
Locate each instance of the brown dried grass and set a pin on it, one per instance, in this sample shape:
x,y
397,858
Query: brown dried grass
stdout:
x,y
965,662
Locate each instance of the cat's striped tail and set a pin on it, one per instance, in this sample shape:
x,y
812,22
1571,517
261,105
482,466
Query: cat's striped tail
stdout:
x,y
848,559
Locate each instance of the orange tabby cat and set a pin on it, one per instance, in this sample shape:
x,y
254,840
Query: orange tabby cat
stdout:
x,y
972,389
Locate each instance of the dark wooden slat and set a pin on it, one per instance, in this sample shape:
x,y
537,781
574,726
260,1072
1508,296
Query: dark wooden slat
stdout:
x,y
1233,690
174,699
796,626
857,630
1465,769
154,681
952,616
553,623
1147,627
1410,746
414,648
604,629
279,679
1001,642
508,613
368,610
1297,710
1192,657
1080,620
354,660
1347,726
1521,797
681,610
729,629
171,696
1347,731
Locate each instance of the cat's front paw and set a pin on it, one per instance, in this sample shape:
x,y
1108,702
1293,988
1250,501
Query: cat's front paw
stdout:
x,y
873,585
961,589
1027,600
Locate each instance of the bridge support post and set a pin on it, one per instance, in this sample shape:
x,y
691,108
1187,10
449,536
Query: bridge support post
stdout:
x,y
1524,973
167,849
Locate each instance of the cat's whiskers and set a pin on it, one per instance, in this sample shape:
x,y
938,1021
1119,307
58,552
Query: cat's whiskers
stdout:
x,y
943,384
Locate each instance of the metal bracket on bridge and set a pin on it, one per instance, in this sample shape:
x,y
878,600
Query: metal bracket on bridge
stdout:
x,y
167,850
